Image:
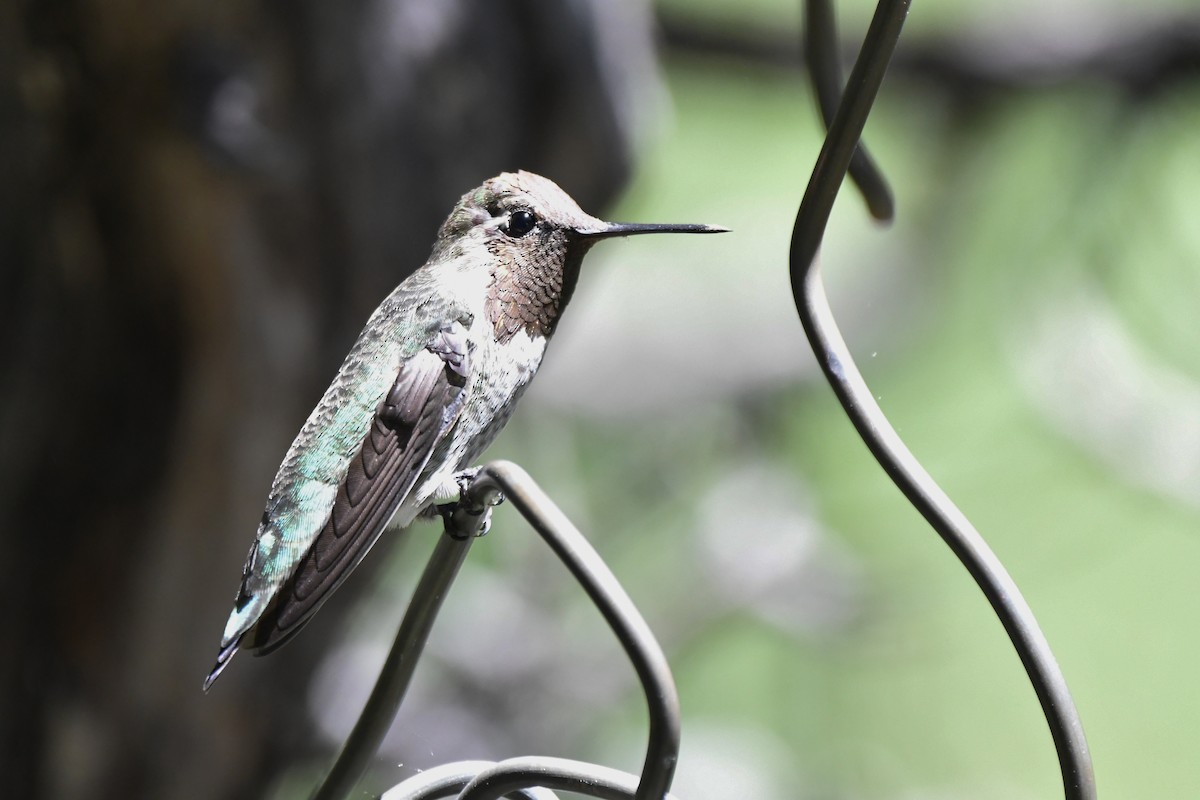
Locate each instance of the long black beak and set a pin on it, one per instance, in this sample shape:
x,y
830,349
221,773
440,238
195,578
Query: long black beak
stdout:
x,y
612,229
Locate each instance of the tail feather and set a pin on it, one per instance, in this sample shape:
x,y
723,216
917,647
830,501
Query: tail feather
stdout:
x,y
222,661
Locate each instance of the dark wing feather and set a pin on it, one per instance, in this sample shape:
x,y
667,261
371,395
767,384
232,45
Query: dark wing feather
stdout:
x,y
421,407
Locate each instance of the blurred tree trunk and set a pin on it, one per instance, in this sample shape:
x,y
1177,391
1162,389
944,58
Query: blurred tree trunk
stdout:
x,y
200,203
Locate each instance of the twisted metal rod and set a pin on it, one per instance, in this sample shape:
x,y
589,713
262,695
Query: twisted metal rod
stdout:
x,y
447,780
553,773
884,443
825,70
635,636
577,554
397,671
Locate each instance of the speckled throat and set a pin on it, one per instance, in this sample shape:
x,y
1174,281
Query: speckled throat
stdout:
x,y
531,293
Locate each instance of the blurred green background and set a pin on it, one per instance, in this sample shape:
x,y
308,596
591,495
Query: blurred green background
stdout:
x,y
202,203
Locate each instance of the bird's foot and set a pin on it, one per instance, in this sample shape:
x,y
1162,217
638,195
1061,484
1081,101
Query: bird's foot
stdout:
x,y
466,512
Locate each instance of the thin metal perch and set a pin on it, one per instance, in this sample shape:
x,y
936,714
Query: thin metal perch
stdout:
x,y
397,670
525,778
662,750
554,773
447,780
858,401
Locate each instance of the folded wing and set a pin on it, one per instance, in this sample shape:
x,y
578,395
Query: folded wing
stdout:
x,y
416,415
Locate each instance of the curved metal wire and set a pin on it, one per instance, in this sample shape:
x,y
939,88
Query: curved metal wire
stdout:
x,y
447,780
573,549
878,434
553,773
397,671
825,70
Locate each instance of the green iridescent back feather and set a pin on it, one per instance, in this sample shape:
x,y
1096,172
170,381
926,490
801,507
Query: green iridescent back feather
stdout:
x,y
305,487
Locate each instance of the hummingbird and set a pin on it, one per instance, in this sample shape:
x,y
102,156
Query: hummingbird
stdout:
x,y
426,387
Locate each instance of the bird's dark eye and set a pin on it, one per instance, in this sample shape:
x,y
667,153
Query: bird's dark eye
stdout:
x,y
519,223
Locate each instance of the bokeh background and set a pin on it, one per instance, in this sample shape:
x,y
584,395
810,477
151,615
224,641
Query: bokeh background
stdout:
x,y
200,203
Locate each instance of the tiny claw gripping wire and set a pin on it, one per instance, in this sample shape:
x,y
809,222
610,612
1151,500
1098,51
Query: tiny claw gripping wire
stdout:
x,y
872,425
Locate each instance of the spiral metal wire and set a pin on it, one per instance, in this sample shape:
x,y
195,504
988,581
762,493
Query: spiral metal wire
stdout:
x,y
859,403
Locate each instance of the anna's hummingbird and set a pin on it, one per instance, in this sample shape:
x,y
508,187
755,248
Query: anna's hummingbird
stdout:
x,y
426,387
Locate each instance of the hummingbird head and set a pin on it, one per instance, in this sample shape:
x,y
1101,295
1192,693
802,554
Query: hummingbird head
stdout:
x,y
535,237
